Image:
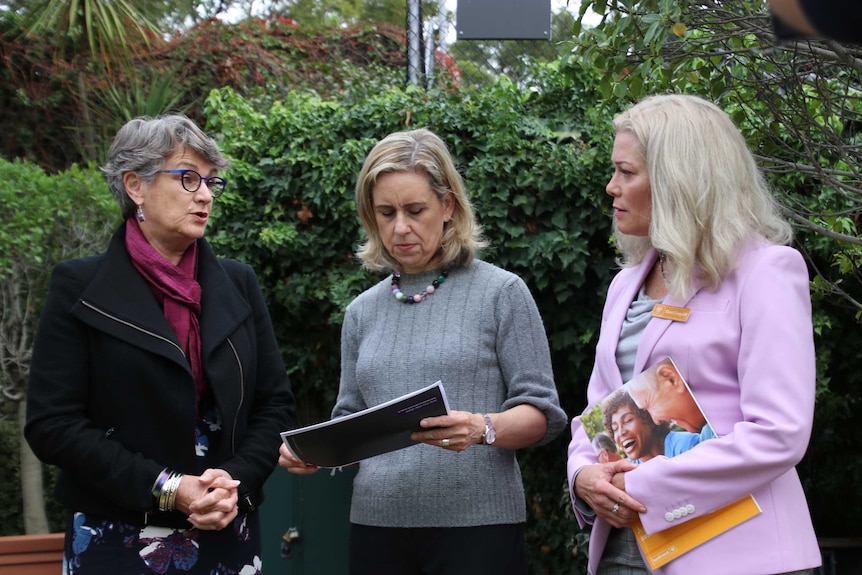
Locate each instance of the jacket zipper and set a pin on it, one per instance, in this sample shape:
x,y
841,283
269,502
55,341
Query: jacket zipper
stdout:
x,y
133,326
166,340
241,396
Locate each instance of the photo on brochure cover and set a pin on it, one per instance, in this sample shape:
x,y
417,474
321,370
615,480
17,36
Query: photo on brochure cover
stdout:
x,y
654,414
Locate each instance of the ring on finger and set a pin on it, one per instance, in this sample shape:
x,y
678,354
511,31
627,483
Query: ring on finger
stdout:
x,y
445,443
616,508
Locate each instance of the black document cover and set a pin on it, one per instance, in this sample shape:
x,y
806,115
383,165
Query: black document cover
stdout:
x,y
373,431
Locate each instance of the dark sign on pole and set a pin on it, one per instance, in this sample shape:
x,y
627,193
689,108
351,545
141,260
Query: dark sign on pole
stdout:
x,y
503,19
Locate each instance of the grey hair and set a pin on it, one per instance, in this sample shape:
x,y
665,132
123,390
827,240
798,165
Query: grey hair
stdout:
x,y
603,441
708,195
143,144
423,152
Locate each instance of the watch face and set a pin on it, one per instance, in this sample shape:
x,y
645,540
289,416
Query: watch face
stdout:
x,y
490,433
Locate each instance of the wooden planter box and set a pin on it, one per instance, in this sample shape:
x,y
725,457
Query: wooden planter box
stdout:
x,y
31,554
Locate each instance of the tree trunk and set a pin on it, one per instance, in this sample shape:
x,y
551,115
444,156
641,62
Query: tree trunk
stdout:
x,y
87,125
32,490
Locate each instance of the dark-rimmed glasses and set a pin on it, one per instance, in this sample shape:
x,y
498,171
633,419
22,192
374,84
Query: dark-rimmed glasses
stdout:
x,y
191,181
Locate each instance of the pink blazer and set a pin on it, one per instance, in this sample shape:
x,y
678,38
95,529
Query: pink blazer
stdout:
x,y
747,352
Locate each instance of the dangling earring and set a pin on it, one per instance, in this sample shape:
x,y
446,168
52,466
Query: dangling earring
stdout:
x,y
140,214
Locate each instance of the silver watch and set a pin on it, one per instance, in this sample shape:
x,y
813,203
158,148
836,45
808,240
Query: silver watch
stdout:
x,y
490,435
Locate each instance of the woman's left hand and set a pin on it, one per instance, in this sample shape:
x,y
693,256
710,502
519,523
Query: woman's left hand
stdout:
x,y
519,426
454,432
602,487
210,500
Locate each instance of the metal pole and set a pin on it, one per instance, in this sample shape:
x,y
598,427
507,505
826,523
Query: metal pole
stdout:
x,y
414,41
430,49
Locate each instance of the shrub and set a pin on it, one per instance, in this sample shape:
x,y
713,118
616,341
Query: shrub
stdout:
x,y
45,219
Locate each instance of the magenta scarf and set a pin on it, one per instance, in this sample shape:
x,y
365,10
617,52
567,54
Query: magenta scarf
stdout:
x,y
176,289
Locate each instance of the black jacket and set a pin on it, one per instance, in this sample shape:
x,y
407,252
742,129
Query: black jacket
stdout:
x,y
111,397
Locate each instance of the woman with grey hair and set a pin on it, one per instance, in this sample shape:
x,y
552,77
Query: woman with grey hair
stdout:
x,y
709,280
156,385
454,503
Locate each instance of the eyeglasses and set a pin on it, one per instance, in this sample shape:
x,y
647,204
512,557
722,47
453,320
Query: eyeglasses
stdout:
x,y
191,181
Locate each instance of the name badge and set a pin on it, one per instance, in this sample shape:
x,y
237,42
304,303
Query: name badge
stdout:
x,y
671,312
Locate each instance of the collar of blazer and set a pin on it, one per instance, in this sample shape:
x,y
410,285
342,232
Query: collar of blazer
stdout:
x,y
629,291
118,300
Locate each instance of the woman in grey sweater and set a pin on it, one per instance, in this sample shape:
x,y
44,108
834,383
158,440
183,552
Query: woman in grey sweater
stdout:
x,y
455,503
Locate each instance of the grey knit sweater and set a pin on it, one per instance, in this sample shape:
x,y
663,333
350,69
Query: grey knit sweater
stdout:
x,y
481,334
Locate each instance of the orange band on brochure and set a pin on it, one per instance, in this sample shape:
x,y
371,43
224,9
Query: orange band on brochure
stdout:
x,y
671,312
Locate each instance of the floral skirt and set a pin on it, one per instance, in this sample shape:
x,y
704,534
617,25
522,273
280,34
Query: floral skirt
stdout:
x,y
96,546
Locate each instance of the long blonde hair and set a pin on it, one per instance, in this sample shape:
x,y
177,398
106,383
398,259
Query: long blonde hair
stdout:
x,y
708,195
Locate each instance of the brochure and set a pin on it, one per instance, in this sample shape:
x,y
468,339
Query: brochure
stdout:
x,y
620,428
373,431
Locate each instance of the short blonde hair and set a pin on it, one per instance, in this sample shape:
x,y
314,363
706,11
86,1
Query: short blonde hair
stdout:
x,y
708,195
423,152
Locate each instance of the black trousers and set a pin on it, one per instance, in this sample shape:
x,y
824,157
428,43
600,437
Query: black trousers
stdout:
x,y
482,550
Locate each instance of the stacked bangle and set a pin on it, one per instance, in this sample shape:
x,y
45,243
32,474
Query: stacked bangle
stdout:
x,y
165,489
159,484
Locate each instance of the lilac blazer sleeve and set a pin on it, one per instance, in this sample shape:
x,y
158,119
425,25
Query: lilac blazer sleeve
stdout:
x,y
747,352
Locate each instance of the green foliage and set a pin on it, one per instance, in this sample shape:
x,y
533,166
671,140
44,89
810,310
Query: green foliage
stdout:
x,y
108,28
593,421
337,13
61,111
797,104
394,11
11,518
831,467
35,104
537,186
320,12
259,56
45,219
152,94
11,512
48,218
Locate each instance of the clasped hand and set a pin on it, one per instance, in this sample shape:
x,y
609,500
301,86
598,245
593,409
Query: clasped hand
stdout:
x,y
602,486
209,500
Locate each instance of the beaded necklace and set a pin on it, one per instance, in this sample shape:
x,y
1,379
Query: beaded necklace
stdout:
x,y
399,295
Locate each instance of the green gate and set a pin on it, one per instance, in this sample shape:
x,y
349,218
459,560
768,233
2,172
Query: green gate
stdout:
x,y
305,522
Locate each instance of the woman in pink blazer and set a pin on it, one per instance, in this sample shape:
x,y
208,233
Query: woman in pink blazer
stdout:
x,y
699,232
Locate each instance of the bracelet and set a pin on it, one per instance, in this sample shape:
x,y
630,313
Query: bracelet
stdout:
x,y
167,494
163,494
159,483
172,498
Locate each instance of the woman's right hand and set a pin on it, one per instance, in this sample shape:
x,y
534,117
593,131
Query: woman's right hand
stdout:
x,y
596,485
209,500
294,465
